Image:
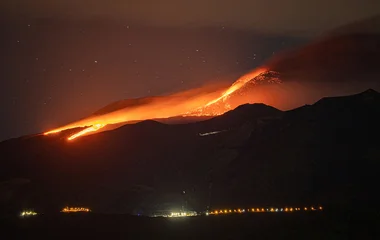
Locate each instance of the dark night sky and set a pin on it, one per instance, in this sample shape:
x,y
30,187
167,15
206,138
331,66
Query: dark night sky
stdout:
x,y
62,60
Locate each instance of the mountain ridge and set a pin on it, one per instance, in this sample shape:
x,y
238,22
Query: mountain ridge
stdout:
x,y
262,159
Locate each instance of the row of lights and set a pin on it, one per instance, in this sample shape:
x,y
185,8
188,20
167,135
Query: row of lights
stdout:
x,y
64,210
182,214
75,209
226,211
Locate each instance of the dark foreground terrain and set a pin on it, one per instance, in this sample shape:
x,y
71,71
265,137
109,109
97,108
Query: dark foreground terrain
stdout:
x,y
309,225
325,154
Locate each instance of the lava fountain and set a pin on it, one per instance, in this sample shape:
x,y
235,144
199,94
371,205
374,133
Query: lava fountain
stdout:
x,y
194,103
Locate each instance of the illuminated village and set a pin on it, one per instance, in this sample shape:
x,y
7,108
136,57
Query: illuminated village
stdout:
x,y
28,213
194,213
75,209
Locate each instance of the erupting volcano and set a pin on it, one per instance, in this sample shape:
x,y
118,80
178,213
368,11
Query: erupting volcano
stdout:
x,y
198,104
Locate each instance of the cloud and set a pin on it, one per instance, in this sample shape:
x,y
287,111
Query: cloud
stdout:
x,y
295,16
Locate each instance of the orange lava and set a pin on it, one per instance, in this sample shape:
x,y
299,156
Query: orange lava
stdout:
x,y
93,128
236,85
206,110
198,103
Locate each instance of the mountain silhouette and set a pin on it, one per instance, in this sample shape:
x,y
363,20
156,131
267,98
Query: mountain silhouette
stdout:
x,y
325,153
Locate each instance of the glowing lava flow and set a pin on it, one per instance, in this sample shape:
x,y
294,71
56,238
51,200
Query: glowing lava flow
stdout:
x,y
236,85
93,128
198,104
207,111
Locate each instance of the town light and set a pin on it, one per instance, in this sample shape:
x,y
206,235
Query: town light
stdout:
x,y
75,209
28,213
